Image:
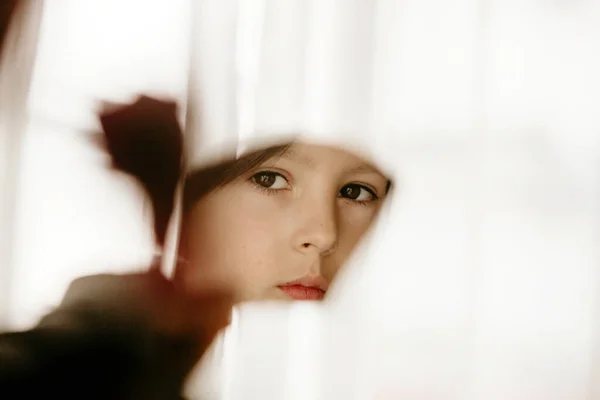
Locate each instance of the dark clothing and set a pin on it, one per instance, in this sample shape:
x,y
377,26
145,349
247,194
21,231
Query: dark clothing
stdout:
x,y
86,354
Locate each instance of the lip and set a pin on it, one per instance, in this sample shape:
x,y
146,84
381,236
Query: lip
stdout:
x,y
308,288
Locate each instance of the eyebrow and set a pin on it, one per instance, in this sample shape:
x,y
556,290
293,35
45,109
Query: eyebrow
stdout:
x,y
308,161
292,155
364,168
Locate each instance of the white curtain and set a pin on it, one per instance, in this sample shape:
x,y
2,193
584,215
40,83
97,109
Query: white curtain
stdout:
x,y
74,216
481,281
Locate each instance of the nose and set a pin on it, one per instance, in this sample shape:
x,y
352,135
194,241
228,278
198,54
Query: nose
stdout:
x,y
317,230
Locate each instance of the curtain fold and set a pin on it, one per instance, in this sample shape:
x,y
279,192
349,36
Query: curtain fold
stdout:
x,y
19,29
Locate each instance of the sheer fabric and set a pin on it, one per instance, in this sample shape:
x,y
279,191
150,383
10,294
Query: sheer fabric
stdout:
x,y
18,39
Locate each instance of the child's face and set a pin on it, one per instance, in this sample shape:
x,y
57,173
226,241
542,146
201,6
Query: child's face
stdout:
x,y
296,217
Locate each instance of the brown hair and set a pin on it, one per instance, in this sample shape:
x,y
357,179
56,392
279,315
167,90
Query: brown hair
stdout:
x,y
201,182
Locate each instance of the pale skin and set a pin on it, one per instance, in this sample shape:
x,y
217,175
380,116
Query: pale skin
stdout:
x,y
297,216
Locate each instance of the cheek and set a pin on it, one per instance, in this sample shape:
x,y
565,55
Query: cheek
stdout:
x,y
353,224
232,240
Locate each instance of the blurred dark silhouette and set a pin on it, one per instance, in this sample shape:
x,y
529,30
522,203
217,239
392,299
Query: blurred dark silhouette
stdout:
x,y
145,141
8,9
113,337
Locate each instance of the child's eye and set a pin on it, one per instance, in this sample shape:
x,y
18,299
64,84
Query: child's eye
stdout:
x,y
357,192
269,180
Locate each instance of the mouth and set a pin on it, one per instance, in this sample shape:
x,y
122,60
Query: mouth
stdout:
x,y
301,292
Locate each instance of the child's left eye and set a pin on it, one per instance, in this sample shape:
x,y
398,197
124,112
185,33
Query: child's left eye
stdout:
x,y
357,192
